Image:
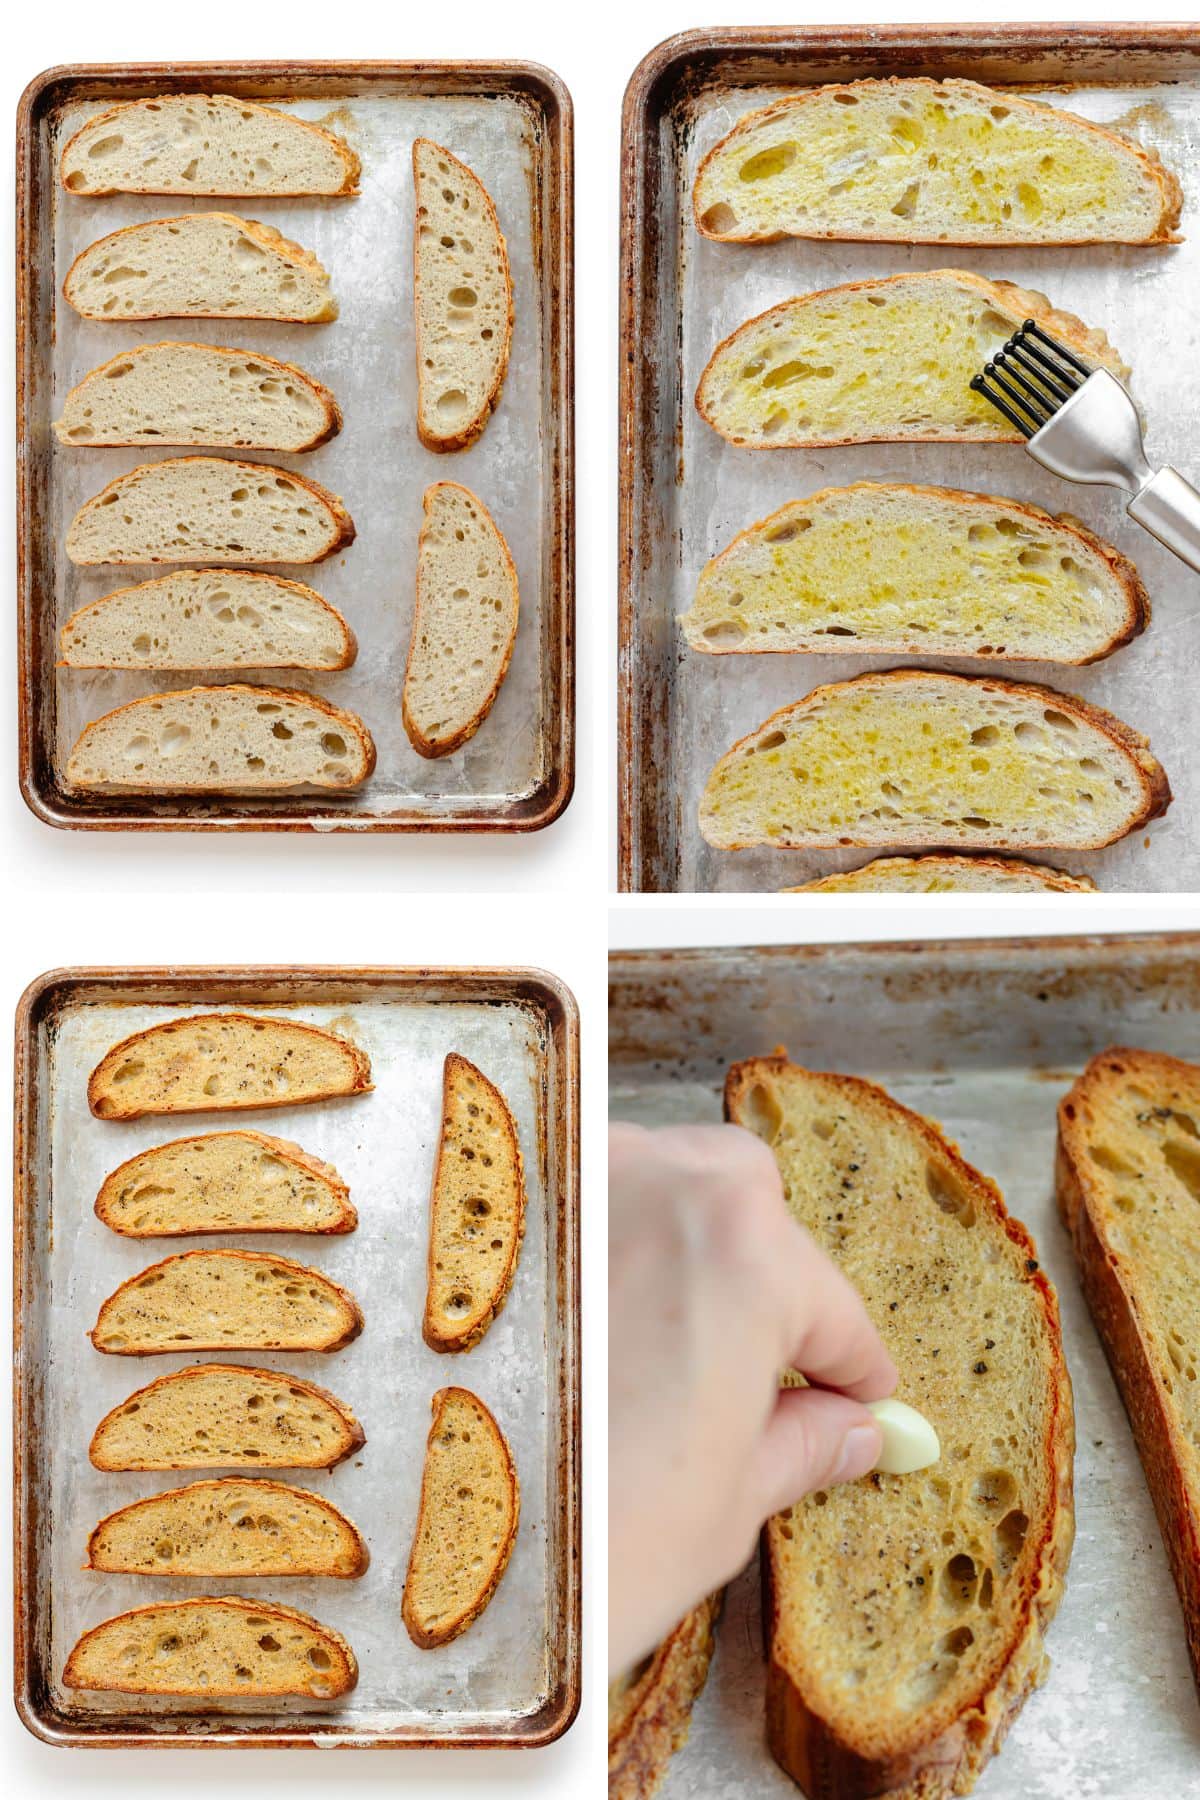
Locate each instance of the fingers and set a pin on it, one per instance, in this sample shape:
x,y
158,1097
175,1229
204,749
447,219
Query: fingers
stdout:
x,y
829,1336
813,1439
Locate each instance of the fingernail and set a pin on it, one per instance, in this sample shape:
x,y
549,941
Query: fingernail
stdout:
x,y
860,1449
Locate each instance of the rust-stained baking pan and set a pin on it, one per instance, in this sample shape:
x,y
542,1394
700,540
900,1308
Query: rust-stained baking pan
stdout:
x,y
684,492
513,122
512,1680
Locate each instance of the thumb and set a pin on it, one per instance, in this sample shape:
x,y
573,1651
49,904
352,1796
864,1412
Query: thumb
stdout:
x,y
813,1439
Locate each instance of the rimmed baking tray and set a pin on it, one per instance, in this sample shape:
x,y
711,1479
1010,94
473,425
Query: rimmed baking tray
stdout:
x,y
512,121
684,492
984,1037
512,1680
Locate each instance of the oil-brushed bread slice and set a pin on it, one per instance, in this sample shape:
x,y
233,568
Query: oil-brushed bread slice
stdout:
x,y
948,875
905,1614
916,161
173,393
466,1522
878,362
650,1708
224,1416
913,759
889,569
222,740
224,1181
206,144
215,1062
232,1528
463,300
464,621
199,266
226,1300
476,1209
213,1648
209,509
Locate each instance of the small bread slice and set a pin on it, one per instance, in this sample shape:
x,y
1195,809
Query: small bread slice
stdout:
x,y
205,144
198,394
891,570
915,161
887,361
464,622
1128,1180
211,1648
650,1709
914,758
466,1523
229,1528
199,266
224,1181
476,1209
225,1416
956,1570
192,509
222,1062
463,299
226,1300
948,875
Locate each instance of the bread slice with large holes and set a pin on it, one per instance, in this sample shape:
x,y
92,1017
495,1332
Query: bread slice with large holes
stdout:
x,y
464,621
226,1300
229,1528
466,1522
905,1614
650,1708
948,875
463,299
476,1209
224,1181
200,266
914,758
213,1648
1128,1180
226,1416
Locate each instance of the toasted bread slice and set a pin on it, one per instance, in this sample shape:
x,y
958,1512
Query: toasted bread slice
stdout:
x,y
213,1648
229,1528
199,266
948,875
466,1524
224,1181
476,1209
224,1416
915,161
226,1300
650,1709
916,758
958,1569
215,1062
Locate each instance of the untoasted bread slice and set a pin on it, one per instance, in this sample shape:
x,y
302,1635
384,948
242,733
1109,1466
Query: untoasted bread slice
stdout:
x,y
199,266
948,875
955,1570
226,1300
650,1709
466,1524
224,1416
229,1528
210,1648
220,1062
224,1181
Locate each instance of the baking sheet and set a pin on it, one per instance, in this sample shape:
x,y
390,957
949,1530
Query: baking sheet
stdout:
x,y
984,1038
693,492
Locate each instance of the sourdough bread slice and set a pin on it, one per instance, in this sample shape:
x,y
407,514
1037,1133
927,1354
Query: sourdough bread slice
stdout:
x,y
206,144
917,758
221,1062
224,1416
199,266
889,569
650,1709
887,361
956,1570
464,622
229,1528
916,161
226,1300
463,300
213,1648
466,1523
948,875
476,1209
224,1181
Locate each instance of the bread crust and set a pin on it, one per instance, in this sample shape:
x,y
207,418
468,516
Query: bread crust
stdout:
x,y
280,1489
268,238
341,1678
652,1719
284,1148
1053,880
351,1319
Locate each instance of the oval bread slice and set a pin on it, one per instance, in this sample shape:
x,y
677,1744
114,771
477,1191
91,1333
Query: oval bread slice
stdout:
x,y
199,266
226,1300
916,758
229,1528
224,1181
225,1416
650,1709
210,1647
948,875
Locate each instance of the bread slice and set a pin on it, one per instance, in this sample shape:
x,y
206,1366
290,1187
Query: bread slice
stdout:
x,y
464,622
463,299
956,1571
229,1528
209,619
221,1062
226,1300
889,569
887,361
948,875
466,1523
224,1416
650,1709
199,266
213,1648
205,144
476,1209
213,509
224,1181
1128,1180
198,394
916,758
915,161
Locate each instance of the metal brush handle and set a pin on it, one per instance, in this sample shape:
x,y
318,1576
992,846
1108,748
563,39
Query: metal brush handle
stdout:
x,y
1169,508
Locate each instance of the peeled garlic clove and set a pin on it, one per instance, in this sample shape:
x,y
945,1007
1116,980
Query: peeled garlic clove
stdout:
x,y
909,1440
